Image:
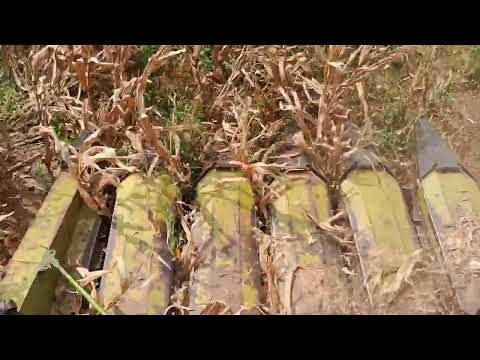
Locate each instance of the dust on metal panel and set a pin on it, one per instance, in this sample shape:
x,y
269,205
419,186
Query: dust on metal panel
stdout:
x,y
380,220
51,229
138,255
228,269
450,196
317,286
428,230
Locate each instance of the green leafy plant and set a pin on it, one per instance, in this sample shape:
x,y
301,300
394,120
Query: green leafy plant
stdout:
x,y
475,65
206,61
41,174
146,52
58,123
12,102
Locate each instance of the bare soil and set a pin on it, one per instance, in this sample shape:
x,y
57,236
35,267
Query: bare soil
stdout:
x,y
20,192
463,130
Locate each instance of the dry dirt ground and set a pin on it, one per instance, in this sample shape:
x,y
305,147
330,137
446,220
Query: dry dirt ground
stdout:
x,y
21,191
463,130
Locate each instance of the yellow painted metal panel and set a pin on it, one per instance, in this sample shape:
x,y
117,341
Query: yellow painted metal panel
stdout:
x,y
228,268
136,249
449,196
384,234
51,229
307,271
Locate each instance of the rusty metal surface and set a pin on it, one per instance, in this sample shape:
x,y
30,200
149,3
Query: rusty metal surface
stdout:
x,y
137,252
307,269
228,269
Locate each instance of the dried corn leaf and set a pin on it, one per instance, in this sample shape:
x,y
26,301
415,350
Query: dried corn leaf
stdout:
x,y
5,216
